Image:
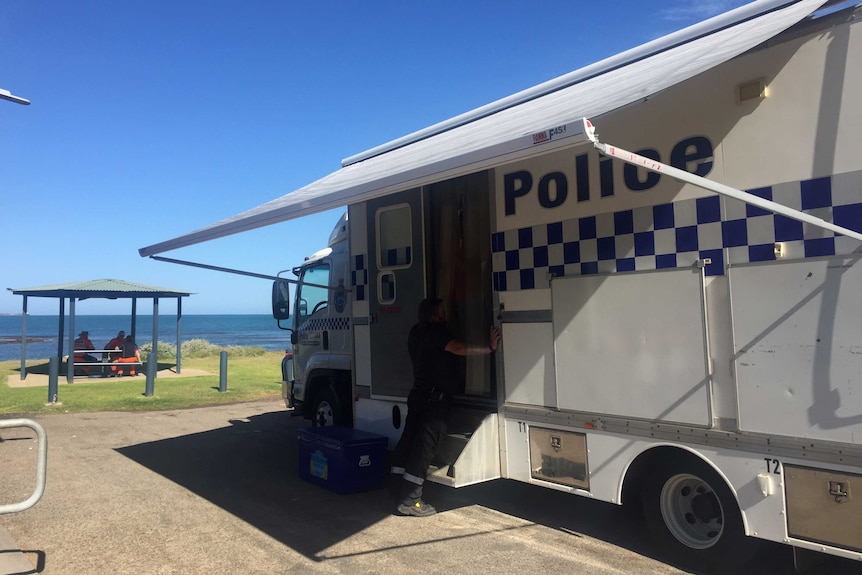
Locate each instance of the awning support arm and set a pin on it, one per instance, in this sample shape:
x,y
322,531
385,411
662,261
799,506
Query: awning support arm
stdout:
x,y
701,182
238,272
214,268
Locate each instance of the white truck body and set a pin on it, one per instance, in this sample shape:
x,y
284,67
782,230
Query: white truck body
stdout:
x,y
648,324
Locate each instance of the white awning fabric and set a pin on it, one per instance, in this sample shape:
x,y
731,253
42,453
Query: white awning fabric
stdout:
x,y
496,133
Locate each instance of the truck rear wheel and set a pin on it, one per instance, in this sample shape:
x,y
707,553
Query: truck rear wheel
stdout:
x,y
693,516
327,409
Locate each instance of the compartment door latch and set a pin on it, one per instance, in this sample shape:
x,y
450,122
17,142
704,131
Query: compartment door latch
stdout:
x,y
838,490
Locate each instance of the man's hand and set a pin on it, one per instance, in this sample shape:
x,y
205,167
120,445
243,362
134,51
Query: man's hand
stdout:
x,y
458,347
495,338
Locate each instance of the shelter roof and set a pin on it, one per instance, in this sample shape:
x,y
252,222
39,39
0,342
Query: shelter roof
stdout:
x,y
103,288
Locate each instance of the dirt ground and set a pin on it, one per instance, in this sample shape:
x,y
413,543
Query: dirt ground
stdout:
x,y
215,490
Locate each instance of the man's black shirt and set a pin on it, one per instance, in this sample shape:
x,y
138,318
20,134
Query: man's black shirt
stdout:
x,y
434,368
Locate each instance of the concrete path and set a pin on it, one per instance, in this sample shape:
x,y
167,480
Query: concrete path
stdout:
x,y
41,379
12,560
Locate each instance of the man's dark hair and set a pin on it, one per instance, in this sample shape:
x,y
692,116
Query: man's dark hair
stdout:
x,y
427,307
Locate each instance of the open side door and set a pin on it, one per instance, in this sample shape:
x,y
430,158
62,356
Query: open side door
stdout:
x,y
396,268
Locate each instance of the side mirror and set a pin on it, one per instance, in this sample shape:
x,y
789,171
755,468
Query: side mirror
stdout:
x,y
280,299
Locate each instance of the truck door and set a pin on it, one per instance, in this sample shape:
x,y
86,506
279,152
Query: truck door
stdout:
x,y
396,286
308,315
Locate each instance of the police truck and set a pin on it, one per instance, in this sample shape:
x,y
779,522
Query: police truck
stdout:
x,y
669,240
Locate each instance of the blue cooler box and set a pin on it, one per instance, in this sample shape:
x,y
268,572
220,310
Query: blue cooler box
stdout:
x,y
342,459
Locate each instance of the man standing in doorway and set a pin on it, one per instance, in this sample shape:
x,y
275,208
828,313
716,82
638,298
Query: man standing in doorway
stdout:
x,y
435,380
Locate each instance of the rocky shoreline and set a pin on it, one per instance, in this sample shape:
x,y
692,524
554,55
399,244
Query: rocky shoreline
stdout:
x,y
4,339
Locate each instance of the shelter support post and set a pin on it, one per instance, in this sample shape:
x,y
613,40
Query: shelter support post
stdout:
x,y
135,319
155,351
24,339
62,317
70,364
179,331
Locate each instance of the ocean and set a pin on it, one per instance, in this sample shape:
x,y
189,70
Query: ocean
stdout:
x,y
223,330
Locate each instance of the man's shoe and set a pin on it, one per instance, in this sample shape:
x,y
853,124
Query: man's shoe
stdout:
x,y
417,509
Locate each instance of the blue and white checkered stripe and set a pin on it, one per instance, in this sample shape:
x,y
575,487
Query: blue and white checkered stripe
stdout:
x,y
680,233
326,323
397,256
359,277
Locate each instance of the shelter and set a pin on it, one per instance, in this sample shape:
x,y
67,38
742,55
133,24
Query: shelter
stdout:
x,y
104,289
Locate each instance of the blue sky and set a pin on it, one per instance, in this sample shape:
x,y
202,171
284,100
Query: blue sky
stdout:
x,y
152,119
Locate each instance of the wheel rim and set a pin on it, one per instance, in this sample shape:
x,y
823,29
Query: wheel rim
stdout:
x,y
692,511
323,416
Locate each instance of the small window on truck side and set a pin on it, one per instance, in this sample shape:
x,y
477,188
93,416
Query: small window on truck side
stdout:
x,y
394,237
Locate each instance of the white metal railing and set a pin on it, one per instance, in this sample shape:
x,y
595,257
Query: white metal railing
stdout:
x,y
41,464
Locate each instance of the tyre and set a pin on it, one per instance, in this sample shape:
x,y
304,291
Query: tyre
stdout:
x,y
693,517
327,410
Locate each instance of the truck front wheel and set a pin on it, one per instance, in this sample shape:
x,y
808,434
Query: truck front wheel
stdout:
x,y
693,516
327,409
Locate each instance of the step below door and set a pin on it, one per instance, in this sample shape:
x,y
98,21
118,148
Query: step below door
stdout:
x,y
467,458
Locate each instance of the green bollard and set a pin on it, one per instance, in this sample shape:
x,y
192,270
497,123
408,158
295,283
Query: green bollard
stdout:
x,y
152,363
53,376
222,377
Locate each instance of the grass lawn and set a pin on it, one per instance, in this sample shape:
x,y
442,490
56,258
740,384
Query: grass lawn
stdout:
x,y
250,377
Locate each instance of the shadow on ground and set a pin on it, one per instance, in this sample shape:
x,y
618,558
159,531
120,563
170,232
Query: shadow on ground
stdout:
x,y
249,468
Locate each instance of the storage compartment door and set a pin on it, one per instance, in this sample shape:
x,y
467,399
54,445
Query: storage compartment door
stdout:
x,y
633,345
797,341
824,506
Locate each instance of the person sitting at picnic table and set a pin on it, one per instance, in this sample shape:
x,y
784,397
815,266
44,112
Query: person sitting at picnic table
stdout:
x,y
116,343
83,343
130,354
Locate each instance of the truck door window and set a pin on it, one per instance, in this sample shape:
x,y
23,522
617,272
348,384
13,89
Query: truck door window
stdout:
x,y
312,298
394,235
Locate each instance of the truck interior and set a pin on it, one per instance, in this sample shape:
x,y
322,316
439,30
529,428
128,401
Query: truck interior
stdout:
x,y
458,271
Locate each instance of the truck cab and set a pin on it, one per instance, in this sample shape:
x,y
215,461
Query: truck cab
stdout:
x,y
317,384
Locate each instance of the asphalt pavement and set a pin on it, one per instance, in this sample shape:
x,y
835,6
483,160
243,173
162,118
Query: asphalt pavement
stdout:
x,y
215,490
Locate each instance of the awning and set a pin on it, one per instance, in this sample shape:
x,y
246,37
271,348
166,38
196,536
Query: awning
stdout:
x,y
501,131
